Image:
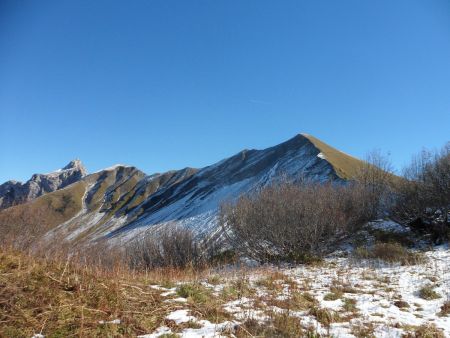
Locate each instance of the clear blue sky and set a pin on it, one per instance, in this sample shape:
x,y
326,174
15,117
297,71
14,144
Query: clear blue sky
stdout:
x,y
167,84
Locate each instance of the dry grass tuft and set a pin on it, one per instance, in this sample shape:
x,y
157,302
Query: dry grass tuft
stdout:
x,y
401,304
445,309
363,330
278,325
390,253
427,292
324,316
426,331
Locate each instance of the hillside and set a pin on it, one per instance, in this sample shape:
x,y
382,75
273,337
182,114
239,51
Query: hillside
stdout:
x,y
121,201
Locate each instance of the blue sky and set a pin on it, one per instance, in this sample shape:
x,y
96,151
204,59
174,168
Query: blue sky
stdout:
x,y
167,84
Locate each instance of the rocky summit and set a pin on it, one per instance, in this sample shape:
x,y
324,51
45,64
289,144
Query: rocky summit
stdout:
x,y
14,193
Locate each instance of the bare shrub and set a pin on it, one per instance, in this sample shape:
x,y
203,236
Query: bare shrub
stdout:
x,y
293,222
424,197
170,247
376,176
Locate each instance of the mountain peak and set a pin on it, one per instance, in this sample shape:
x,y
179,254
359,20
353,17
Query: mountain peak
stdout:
x,y
76,164
13,193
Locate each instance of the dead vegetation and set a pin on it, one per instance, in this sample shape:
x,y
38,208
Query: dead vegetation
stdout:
x,y
445,309
172,246
423,199
278,325
62,299
390,253
427,292
425,331
294,222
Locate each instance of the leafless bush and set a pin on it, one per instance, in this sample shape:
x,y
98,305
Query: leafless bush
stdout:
x,y
376,176
170,247
424,197
291,221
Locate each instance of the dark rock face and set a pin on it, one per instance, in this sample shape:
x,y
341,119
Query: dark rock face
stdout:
x,y
14,193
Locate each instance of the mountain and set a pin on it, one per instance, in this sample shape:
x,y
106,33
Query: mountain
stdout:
x,y
119,202
14,193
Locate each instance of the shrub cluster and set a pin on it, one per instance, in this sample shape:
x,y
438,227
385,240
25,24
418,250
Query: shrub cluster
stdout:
x,y
169,247
289,221
423,198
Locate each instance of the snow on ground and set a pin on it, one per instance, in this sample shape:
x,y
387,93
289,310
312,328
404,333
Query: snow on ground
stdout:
x,y
378,288
382,298
180,316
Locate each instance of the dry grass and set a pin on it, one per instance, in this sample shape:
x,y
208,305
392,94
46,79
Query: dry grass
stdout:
x,y
390,253
425,331
445,309
23,223
273,281
324,316
427,292
278,325
236,289
296,301
401,304
62,299
363,330
350,305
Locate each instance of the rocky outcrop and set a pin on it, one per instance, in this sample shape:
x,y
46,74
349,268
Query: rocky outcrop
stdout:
x,y
14,193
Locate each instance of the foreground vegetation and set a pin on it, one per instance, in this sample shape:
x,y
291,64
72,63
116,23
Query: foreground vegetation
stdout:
x,y
60,298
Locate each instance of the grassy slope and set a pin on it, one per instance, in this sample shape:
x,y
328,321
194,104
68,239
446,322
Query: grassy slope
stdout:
x,y
45,212
346,166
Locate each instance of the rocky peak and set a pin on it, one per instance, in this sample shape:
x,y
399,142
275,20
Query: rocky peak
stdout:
x,y
13,193
76,164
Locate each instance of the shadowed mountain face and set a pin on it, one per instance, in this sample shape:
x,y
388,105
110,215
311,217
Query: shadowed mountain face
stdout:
x,y
121,201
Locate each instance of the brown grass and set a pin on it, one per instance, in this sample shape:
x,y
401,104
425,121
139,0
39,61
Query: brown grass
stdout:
x,y
445,309
23,223
427,292
278,325
390,253
62,299
425,331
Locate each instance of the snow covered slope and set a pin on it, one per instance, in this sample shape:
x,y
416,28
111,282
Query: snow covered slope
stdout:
x,y
120,202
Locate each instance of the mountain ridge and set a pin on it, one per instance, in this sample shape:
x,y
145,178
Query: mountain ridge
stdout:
x,y
121,201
